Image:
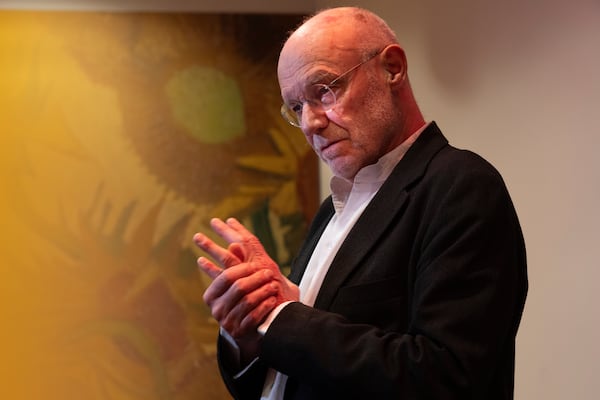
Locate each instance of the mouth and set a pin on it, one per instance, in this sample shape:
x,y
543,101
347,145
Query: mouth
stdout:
x,y
329,147
330,150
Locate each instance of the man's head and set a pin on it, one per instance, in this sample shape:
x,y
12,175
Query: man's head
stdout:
x,y
373,107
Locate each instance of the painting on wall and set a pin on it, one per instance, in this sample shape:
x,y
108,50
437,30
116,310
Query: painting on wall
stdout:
x,y
122,135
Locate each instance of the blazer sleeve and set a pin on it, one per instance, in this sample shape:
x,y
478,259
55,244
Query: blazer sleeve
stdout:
x,y
464,294
246,386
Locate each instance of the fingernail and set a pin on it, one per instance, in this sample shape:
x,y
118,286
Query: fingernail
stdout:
x,y
199,238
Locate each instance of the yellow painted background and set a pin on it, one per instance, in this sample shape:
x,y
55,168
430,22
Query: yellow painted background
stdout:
x,y
121,135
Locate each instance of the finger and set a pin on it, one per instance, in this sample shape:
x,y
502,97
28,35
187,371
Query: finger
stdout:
x,y
234,232
253,248
238,227
237,250
235,288
209,268
235,283
225,231
251,311
248,303
258,315
223,256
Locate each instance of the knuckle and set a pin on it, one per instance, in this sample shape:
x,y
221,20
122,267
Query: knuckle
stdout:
x,y
226,279
238,286
273,287
245,304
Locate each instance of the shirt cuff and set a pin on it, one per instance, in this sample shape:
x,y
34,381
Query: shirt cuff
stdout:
x,y
262,328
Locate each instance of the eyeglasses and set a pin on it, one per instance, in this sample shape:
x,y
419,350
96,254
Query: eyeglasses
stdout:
x,y
320,96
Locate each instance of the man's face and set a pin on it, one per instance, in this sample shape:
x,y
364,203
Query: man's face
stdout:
x,y
364,123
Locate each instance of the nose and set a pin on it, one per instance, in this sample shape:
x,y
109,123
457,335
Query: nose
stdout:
x,y
313,117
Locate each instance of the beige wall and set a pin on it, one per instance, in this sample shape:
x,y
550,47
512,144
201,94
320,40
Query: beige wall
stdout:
x,y
283,6
518,82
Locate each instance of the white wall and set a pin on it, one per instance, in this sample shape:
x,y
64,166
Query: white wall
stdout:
x,y
519,82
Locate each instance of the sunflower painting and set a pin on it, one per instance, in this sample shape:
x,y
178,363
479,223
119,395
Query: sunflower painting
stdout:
x,y
122,135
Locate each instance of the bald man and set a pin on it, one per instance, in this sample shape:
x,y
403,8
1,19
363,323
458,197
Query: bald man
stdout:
x,y
412,280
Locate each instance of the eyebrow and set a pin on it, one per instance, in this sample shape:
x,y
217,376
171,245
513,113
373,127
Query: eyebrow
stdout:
x,y
320,76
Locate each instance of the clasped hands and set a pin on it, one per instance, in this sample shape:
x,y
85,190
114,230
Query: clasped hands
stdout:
x,y
247,284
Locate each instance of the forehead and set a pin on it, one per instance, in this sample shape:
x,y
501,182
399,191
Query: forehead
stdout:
x,y
307,59
322,48
325,37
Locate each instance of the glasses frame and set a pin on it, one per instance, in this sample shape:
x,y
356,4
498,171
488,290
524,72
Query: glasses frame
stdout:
x,y
325,91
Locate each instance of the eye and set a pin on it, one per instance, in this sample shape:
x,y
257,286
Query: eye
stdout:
x,y
322,90
324,95
296,107
327,96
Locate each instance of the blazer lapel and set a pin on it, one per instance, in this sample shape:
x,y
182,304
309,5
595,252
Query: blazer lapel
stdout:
x,y
387,203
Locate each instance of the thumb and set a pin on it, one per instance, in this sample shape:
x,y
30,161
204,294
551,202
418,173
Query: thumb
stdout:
x,y
237,250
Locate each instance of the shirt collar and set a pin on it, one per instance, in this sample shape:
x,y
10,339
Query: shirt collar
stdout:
x,y
371,177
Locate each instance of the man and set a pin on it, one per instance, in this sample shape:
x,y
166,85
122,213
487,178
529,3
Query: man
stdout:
x,y
412,279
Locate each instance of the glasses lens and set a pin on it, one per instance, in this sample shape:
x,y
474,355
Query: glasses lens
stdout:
x,y
321,99
290,116
326,97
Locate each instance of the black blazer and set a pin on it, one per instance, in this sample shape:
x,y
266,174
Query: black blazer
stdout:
x,y
423,299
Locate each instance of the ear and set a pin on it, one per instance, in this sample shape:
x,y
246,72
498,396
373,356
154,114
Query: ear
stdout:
x,y
394,62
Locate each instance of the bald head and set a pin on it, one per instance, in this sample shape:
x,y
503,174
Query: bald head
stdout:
x,y
344,29
360,27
